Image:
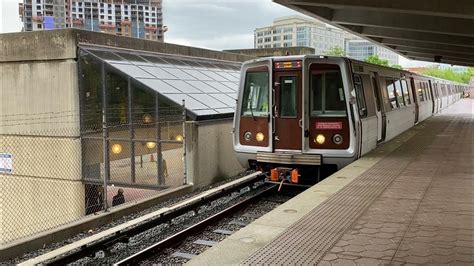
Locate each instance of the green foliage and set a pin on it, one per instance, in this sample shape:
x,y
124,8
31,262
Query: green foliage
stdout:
x,y
449,74
397,66
375,59
336,51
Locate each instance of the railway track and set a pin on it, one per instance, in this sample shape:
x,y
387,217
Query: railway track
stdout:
x,y
113,242
170,247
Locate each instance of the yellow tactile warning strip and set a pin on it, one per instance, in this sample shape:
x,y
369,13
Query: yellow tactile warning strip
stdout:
x,y
414,206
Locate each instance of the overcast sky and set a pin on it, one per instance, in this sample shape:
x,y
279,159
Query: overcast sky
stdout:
x,y
213,24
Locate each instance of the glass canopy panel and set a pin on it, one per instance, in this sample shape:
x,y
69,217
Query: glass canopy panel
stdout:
x,y
190,103
219,86
228,76
182,86
197,74
213,75
159,86
232,85
225,110
204,87
208,100
180,74
229,101
107,56
156,60
132,70
158,72
205,112
131,57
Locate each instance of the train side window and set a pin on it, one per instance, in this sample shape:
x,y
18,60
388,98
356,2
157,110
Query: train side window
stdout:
x,y
327,93
406,94
359,89
391,93
428,91
420,91
399,93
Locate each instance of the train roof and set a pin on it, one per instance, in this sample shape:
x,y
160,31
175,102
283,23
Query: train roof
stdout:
x,y
303,57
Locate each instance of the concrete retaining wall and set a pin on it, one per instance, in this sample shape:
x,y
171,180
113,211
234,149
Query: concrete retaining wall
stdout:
x,y
210,153
39,118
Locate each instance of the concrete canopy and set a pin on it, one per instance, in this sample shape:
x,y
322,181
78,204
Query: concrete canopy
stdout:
x,y
430,30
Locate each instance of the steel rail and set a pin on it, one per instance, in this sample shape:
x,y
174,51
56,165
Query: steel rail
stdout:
x,y
179,237
124,235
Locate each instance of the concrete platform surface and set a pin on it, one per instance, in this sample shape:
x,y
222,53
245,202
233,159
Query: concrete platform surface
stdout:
x,y
410,201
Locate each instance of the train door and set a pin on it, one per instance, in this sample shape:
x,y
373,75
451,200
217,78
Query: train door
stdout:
x,y
287,111
379,108
415,98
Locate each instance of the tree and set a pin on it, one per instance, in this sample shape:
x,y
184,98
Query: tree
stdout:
x,y
375,59
336,51
449,74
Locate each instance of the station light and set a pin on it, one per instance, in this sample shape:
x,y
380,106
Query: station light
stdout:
x,y
260,137
320,139
150,145
117,148
179,138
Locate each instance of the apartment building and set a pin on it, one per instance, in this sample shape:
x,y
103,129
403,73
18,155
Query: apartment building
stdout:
x,y
133,18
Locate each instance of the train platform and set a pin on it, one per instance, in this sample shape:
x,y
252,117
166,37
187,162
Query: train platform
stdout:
x,y
410,201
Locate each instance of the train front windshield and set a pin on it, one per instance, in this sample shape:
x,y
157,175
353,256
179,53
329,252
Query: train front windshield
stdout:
x,y
255,99
327,94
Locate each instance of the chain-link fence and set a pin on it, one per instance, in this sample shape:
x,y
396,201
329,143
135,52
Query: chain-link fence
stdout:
x,y
53,171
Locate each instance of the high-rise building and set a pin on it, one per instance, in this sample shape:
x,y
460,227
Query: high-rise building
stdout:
x,y
133,18
299,31
360,49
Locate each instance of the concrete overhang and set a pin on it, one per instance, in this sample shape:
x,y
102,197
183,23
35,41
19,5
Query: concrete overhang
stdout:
x,y
429,30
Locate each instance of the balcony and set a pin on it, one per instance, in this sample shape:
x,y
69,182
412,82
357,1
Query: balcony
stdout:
x,y
77,21
37,18
150,27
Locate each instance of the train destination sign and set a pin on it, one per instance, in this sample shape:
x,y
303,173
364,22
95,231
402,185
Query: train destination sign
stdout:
x,y
328,125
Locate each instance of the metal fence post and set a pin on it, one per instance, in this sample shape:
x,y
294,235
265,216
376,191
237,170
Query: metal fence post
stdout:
x,y
159,155
185,179
132,130
105,136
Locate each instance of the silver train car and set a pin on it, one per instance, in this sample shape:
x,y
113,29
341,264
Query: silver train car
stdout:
x,y
319,112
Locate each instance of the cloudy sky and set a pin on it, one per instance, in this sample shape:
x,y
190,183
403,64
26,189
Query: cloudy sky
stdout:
x,y
213,24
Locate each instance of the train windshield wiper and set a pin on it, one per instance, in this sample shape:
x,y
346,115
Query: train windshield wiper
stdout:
x,y
251,102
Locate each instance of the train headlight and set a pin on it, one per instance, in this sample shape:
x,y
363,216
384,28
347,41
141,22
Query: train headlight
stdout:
x,y
320,139
259,137
247,136
337,139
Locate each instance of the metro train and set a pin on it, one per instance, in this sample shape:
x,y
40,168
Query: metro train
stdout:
x,y
319,113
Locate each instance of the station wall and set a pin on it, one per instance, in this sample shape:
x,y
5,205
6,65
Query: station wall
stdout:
x,y
39,118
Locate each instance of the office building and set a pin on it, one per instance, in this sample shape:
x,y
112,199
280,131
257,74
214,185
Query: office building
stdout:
x,y
132,18
360,49
299,31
